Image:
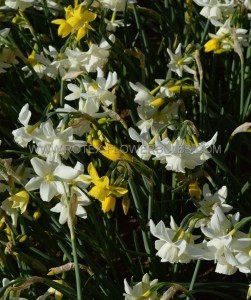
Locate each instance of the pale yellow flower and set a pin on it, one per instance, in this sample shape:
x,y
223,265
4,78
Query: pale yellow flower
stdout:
x,y
20,200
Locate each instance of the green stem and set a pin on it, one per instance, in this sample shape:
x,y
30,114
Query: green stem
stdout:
x,y
21,264
77,272
137,248
144,40
149,186
205,32
242,92
62,87
195,273
202,102
140,212
48,18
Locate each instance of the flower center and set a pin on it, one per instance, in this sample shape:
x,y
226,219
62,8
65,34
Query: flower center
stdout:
x,y
49,177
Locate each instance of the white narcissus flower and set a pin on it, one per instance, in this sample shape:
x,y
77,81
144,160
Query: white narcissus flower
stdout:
x,y
24,135
140,289
112,25
42,65
57,64
241,247
98,91
178,63
97,56
144,138
62,207
143,93
21,137
72,64
210,202
54,143
243,256
220,242
172,243
19,4
179,155
77,62
216,10
152,117
76,92
82,125
50,178
164,90
226,34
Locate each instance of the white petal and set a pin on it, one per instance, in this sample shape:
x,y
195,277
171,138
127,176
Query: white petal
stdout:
x,y
225,269
205,12
48,190
48,129
65,172
221,194
24,115
127,287
212,141
206,192
134,135
33,184
73,87
64,216
41,167
5,281
58,207
73,96
81,212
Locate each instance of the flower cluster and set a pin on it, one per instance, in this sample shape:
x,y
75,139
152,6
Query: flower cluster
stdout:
x,y
228,37
115,127
220,240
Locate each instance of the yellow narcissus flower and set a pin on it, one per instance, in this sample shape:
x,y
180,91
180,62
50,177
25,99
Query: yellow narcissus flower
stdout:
x,y
212,45
104,192
64,28
20,200
76,19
